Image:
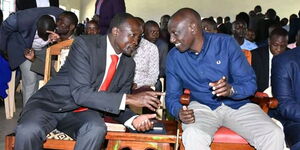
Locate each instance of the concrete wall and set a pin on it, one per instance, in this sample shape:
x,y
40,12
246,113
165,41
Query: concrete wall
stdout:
x,y
154,9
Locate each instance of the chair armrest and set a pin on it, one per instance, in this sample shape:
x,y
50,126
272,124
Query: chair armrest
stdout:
x,y
265,102
185,97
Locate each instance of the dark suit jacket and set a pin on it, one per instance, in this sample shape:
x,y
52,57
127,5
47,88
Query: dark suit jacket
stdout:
x,y
285,87
260,65
78,81
18,30
109,8
26,4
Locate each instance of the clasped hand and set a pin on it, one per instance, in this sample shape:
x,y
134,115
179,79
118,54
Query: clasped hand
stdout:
x,y
143,122
145,99
221,88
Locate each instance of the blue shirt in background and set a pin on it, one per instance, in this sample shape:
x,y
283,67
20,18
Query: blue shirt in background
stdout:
x,y
220,56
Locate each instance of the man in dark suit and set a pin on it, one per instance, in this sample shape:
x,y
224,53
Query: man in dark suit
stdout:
x,y
26,4
77,84
285,87
18,31
106,9
21,31
262,57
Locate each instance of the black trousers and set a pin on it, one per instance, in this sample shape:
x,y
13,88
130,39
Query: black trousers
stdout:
x,y
87,128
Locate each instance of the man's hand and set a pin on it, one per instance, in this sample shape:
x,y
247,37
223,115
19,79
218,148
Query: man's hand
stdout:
x,y
144,99
143,123
221,88
29,54
186,115
53,37
134,86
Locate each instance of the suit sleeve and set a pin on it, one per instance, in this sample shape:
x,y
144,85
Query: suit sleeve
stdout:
x,y
282,89
6,29
80,71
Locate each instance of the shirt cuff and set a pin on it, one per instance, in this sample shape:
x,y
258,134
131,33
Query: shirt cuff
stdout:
x,y
123,103
128,123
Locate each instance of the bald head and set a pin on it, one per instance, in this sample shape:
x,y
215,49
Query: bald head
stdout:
x,y
188,14
185,30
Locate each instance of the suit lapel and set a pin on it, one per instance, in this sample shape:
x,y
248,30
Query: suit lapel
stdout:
x,y
100,60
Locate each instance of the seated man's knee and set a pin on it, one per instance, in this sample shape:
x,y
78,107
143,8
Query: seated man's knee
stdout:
x,y
277,134
30,131
95,129
194,134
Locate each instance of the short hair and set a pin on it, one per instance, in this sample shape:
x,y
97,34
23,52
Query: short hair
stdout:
x,y
271,14
118,20
190,14
210,22
71,16
243,16
140,20
92,22
45,23
278,32
151,23
227,18
239,22
257,8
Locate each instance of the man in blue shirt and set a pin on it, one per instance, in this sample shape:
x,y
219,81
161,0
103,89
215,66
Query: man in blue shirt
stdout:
x,y
220,79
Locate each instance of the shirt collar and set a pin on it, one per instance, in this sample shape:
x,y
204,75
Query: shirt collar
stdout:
x,y
110,49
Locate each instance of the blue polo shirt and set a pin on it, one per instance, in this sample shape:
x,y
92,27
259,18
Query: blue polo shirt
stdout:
x,y
220,56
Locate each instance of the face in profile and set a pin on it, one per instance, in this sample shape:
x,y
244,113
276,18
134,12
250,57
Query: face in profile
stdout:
x,y
180,33
128,36
278,44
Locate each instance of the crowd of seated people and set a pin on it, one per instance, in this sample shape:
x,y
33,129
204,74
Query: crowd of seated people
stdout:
x,y
182,48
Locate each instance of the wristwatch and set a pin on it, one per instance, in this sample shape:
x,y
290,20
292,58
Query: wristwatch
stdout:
x,y
232,91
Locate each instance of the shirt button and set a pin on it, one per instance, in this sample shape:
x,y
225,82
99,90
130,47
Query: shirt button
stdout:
x,y
60,109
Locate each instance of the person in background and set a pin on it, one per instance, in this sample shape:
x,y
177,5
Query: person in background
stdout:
x,y
23,31
209,25
285,80
94,82
163,33
27,4
106,10
92,28
239,31
65,28
250,36
262,58
79,29
152,34
296,43
220,80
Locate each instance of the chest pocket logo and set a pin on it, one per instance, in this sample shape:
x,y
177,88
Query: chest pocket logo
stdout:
x,y
218,62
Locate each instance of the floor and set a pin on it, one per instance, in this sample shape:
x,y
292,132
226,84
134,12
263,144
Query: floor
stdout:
x,y
8,126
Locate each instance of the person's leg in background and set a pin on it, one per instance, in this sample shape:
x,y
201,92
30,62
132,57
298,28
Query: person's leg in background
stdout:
x,y
29,81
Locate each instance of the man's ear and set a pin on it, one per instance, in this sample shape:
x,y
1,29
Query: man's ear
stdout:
x,y
72,27
193,27
115,31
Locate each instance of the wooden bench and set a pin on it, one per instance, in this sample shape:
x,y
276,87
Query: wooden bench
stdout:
x,y
117,140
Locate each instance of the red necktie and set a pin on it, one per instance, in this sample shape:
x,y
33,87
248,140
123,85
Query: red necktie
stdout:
x,y
110,74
